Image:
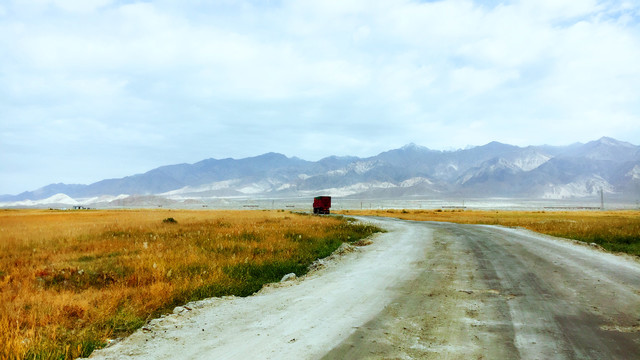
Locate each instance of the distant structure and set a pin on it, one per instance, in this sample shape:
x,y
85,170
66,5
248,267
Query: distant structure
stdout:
x,y
321,204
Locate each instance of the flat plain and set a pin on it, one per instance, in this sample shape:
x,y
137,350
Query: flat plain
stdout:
x,y
70,281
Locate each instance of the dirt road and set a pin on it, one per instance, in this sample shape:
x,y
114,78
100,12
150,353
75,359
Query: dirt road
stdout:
x,y
422,291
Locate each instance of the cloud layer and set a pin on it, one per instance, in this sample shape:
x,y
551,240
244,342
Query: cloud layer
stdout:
x,y
102,88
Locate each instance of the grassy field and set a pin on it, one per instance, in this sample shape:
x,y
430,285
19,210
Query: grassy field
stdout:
x,y
70,280
617,231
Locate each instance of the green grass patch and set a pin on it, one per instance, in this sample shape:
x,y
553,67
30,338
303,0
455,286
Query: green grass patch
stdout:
x,y
251,277
629,244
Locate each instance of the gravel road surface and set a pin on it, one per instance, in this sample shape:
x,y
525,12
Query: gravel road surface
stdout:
x,y
421,291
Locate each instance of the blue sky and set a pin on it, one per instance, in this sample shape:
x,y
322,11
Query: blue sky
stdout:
x,y
94,89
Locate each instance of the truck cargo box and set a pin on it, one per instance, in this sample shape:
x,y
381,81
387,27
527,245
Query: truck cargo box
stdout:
x,y
321,204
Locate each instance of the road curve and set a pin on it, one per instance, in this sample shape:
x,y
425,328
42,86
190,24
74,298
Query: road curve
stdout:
x,y
486,292
422,291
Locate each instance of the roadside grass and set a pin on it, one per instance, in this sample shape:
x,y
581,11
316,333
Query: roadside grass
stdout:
x,y
617,231
71,280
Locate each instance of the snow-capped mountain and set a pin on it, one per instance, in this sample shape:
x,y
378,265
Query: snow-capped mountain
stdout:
x,y
491,170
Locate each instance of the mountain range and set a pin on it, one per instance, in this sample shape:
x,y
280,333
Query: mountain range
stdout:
x,y
492,170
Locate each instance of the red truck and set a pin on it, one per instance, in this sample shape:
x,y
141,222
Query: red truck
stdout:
x,y
321,204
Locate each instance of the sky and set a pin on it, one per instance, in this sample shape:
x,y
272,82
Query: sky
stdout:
x,y
95,89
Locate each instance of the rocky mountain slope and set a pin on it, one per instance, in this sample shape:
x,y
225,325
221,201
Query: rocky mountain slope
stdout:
x,y
491,170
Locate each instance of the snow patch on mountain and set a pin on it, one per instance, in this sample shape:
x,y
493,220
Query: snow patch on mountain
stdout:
x,y
259,187
339,172
58,199
64,199
218,185
356,188
504,164
415,181
528,163
609,149
590,186
489,167
362,167
101,199
358,167
615,143
634,173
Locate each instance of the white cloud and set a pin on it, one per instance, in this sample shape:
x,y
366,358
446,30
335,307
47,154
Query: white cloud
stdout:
x,y
553,10
273,75
433,24
477,81
70,6
81,6
596,69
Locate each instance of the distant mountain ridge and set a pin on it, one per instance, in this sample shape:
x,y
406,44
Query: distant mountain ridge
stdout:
x,y
491,170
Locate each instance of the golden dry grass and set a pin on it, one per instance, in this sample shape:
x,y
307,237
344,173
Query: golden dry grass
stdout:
x,y
69,280
617,231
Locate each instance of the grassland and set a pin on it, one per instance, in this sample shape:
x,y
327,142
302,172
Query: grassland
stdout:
x,y
70,280
617,231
